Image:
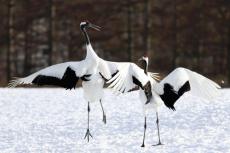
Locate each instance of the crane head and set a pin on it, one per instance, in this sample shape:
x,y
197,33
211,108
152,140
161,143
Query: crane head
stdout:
x,y
87,24
144,61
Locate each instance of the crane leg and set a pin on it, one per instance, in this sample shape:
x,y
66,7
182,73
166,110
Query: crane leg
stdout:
x,y
104,116
88,134
158,131
145,125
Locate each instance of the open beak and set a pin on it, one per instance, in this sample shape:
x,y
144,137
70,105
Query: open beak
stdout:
x,y
95,27
140,59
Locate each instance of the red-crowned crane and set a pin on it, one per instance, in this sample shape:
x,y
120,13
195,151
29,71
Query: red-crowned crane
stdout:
x,y
93,71
67,75
168,90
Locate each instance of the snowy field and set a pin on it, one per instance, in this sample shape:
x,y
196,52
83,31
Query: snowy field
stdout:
x,y
55,120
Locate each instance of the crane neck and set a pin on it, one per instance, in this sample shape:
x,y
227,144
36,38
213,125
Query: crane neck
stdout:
x,y
144,66
90,51
90,54
86,36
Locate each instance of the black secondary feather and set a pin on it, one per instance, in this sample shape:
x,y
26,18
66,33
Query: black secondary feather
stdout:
x,y
170,96
68,81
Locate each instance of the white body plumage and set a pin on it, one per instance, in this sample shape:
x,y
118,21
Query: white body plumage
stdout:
x,y
93,89
155,101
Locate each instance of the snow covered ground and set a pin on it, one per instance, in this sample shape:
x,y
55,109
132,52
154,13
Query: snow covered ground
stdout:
x,y
54,121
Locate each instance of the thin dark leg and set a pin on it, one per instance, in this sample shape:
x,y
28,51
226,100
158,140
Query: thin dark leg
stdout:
x,y
88,134
158,131
104,116
145,125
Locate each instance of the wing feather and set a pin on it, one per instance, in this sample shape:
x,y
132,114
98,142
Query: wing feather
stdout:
x,y
118,81
200,85
155,76
123,80
63,74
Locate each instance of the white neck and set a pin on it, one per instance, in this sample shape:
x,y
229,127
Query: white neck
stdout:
x,y
90,52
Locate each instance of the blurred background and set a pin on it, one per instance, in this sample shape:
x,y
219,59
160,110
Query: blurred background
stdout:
x,y
194,34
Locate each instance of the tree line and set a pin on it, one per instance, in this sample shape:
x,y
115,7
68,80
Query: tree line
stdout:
x,y
193,34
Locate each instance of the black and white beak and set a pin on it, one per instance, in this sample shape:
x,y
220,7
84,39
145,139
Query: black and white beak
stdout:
x,y
140,59
94,27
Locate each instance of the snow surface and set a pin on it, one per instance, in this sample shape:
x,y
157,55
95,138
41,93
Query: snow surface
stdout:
x,y
55,120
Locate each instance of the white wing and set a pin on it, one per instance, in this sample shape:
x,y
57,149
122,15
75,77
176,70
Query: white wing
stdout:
x,y
127,77
199,85
64,74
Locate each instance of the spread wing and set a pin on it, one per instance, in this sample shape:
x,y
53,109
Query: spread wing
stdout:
x,y
125,76
63,75
182,80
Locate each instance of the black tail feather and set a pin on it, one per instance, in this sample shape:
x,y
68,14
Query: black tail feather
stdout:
x,y
148,91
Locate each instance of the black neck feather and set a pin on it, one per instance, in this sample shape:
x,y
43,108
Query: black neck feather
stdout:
x,y
86,36
144,66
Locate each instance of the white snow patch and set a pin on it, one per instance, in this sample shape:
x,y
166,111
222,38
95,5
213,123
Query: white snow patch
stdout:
x,y
55,120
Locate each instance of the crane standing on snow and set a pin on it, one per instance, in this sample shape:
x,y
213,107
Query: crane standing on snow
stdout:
x,y
67,75
169,90
93,71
